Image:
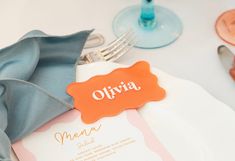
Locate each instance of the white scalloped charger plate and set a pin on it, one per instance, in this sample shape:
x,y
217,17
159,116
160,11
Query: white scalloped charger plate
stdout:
x,y
190,123
193,125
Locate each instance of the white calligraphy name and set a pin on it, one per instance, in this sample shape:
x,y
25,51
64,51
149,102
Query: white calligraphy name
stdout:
x,y
110,92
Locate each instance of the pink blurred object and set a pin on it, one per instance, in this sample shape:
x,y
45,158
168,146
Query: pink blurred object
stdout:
x,y
225,26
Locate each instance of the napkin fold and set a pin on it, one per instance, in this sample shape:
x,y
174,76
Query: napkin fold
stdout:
x,y
34,73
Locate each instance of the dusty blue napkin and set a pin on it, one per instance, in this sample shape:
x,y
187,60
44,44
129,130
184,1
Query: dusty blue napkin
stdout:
x,y
34,73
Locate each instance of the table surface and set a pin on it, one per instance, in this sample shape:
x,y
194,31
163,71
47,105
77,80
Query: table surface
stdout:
x,y
193,56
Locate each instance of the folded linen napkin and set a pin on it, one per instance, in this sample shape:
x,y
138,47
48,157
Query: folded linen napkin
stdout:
x,y
34,73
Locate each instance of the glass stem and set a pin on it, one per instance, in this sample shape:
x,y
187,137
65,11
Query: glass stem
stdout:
x,y
147,18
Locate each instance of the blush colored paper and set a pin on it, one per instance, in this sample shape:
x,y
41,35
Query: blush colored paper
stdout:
x,y
67,138
110,94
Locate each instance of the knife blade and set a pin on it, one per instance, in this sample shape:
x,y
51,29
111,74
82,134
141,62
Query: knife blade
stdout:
x,y
227,58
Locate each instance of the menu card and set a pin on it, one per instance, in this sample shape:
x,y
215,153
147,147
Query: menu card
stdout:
x,y
67,138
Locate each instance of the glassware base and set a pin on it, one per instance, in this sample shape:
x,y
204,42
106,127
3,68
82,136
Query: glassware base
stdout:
x,y
168,27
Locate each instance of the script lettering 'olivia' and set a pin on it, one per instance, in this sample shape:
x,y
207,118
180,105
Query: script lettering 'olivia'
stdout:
x,y
110,92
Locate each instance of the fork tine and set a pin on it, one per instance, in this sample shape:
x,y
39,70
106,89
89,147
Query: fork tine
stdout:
x,y
120,45
113,51
117,41
118,55
128,43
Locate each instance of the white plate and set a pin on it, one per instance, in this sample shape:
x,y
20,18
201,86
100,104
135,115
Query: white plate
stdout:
x,y
191,124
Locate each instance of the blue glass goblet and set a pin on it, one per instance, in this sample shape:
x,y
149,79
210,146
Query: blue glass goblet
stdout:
x,y
154,26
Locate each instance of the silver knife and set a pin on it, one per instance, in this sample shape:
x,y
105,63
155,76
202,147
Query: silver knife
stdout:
x,y
227,57
94,40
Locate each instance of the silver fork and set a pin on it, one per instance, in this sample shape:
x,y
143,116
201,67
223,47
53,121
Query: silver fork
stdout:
x,y
112,51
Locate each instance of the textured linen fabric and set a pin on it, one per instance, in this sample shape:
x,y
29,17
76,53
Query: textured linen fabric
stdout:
x,y
34,73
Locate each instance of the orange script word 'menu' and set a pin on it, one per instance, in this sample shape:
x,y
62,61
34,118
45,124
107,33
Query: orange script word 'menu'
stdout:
x,y
62,137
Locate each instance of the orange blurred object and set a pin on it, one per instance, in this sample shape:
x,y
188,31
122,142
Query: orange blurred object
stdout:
x,y
232,72
225,26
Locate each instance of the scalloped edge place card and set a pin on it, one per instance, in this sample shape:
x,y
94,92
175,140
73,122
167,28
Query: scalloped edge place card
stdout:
x,y
110,94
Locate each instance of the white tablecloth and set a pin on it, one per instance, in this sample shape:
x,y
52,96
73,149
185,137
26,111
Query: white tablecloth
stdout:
x,y
192,57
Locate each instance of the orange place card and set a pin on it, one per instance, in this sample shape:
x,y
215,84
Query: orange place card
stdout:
x,y
109,95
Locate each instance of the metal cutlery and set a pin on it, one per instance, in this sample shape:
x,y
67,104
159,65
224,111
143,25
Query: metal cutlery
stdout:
x,y
112,51
94,40
227,59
